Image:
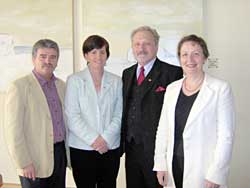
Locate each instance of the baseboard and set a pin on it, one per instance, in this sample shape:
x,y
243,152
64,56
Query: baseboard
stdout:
x,y
10,185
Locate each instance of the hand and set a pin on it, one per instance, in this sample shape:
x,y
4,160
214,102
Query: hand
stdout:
x,y
162,178
209,184
29,172
100,145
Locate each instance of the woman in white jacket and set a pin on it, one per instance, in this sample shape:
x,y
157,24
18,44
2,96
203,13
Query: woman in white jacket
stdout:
x,y
93,106
196,129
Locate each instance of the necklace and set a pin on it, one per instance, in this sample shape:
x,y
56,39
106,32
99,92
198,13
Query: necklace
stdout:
x,y
196,88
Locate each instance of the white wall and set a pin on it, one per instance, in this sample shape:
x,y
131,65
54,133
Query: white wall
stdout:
x,y
227,31
6,167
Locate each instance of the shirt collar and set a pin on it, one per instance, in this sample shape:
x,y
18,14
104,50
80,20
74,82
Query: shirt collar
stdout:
x,y
42,80
147,67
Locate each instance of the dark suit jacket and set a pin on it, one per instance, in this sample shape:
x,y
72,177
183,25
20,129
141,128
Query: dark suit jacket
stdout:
x,y
160,75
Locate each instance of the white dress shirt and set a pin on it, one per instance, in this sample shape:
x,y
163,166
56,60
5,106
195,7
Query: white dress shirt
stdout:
x,y
147,68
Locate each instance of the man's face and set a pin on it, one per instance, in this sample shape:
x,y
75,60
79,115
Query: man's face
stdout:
x,y
144,47
45,62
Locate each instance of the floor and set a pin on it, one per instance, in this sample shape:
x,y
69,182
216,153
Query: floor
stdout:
x,y
10,186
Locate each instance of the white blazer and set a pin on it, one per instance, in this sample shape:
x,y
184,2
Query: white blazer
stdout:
x,y
207,137
88,114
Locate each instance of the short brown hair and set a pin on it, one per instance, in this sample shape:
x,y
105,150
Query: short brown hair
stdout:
x,y
95,42
198,40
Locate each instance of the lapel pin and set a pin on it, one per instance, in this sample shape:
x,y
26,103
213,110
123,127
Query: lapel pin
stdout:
x,y
150,80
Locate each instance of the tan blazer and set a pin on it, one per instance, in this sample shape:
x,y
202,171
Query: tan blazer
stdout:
x,y
28,125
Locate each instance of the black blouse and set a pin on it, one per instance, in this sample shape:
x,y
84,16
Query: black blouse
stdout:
x,y
182,110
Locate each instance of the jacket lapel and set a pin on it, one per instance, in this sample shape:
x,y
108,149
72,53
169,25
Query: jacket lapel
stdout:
x,y
106,84
61,92
173,95
38,93
90,88
151,78
130,78
203,98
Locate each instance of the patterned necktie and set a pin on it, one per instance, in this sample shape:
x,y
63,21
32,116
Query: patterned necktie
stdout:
x,y
141,76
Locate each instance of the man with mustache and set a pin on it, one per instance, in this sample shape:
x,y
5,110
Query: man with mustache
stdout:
x,y
144,85
35,130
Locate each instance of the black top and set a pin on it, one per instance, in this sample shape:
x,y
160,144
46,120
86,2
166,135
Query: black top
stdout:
x,y
182,110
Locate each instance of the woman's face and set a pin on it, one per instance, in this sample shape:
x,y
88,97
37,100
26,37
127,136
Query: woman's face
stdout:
x,y
96,57
192,58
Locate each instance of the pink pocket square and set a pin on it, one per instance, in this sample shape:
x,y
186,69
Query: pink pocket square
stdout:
x,y
160,89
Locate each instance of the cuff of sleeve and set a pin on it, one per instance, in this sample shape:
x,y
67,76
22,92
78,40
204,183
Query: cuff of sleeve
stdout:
x,y
109,139
160,165
159,168
23,161
91,138
217,176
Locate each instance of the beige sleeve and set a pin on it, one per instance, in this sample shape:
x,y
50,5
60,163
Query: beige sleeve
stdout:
x,y
15,108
